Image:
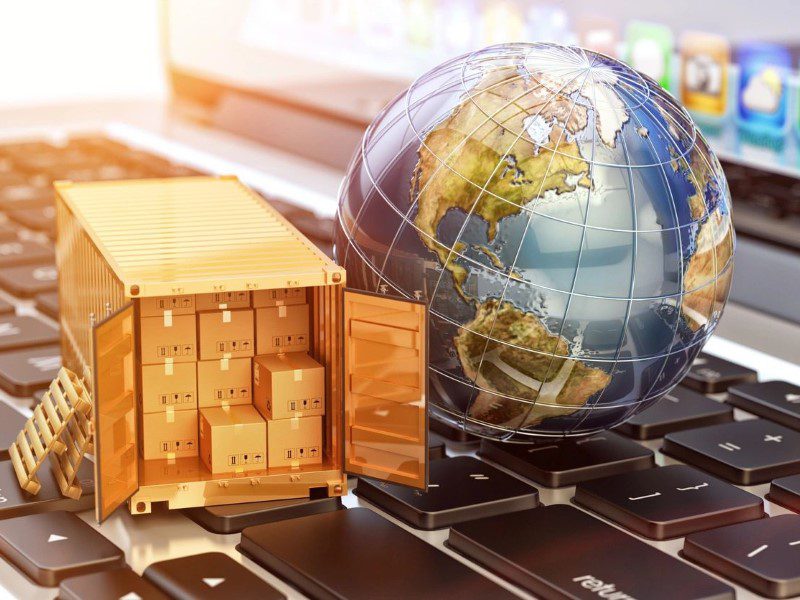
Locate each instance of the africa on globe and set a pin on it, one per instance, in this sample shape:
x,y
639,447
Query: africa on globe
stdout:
x,y
567,225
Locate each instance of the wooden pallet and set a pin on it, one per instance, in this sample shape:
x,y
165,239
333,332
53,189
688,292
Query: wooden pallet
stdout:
x,y
61,428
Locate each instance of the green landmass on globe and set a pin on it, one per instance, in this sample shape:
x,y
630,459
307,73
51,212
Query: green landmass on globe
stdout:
x,y
482,159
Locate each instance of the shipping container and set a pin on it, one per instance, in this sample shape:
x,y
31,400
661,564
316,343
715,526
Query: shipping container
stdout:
x,y
126,246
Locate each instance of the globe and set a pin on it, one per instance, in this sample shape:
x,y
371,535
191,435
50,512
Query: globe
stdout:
x,y
564,220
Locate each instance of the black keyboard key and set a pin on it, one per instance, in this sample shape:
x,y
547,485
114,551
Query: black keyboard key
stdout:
x,y
561,552
763,556
26,196
24,252
15,502
25,281
25,332
22,372
566,462
668,502
743,452
711,375
49,547
786,492
11,423
777,401
338,555
122,584
461,489
232,518
37,218
436,446
681,409
210,575
47,304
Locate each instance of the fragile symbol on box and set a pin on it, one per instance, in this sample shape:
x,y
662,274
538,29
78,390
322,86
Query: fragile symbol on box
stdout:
x,y
231,346
235,460
177,398
175,350
299,453
305,404
177,445
231,393
286,341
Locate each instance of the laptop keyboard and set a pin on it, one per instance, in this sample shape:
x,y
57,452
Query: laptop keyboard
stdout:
x,y
575,518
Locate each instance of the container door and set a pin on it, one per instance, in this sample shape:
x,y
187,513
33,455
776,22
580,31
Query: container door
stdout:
x,y
116,468
385,388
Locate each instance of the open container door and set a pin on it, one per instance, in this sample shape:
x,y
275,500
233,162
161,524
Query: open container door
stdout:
x,y
385,388
116,467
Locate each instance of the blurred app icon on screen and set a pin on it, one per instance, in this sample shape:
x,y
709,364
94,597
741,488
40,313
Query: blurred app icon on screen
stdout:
x,y
762,93
705,60
598,34
649,49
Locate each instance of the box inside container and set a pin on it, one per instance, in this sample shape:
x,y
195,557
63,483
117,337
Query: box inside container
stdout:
x,y
323,304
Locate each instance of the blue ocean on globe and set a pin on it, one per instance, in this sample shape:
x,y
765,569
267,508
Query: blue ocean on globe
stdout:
x,y
566,223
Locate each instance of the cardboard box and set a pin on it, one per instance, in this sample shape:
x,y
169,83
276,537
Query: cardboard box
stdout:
x,y
288,385
170,434
223,300
294,442
232,440
282,329
168,385
226,334
168,338
157,305
279,297
224,382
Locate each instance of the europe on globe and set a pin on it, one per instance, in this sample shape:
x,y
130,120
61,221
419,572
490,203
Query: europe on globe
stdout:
x,y
566,223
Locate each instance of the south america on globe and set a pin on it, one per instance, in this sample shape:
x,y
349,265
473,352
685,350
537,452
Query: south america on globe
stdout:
x,y
567,224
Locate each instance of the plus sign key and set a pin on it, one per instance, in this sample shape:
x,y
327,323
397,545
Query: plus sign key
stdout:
x,y
743,452
711,375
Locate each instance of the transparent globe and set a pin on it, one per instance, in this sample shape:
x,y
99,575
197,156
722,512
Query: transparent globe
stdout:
x,y
564,220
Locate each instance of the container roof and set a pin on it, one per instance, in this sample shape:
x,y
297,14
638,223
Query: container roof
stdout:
x,y
190,235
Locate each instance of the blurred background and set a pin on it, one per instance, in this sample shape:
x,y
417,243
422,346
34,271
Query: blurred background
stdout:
x,y
288,87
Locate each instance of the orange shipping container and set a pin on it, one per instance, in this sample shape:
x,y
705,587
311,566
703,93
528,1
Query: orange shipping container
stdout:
x,y
226,334
168,385
224,382
288,385
232,440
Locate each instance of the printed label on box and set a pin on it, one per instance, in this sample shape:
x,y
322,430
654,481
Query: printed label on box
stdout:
x,y
223,300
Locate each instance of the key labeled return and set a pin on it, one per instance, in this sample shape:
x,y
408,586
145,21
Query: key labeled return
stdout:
x,y
668,502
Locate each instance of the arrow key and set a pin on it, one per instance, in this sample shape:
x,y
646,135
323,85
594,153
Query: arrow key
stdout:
x,y
114,583
210,575
52,546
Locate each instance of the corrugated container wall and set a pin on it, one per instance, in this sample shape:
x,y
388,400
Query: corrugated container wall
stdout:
x,y
88,291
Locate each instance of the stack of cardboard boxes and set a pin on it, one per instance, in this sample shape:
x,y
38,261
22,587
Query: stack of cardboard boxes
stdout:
x,y
288,385
201,389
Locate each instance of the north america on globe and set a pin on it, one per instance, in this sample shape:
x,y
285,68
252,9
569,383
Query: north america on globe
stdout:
x,y
581,228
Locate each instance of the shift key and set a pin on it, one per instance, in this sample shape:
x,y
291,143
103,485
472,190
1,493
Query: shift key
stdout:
x,y
561,552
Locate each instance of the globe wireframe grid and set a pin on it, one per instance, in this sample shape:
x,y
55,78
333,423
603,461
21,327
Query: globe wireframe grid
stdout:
x,y
567,224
